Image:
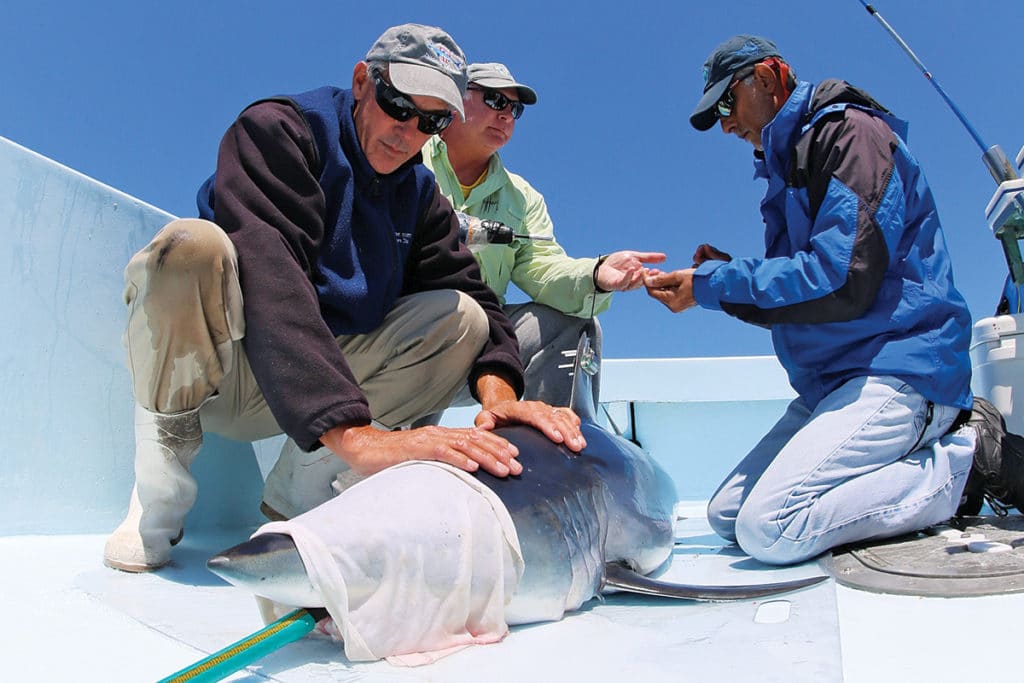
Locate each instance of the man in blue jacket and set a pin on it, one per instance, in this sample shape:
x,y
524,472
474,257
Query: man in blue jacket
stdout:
x,y
322,289
857,288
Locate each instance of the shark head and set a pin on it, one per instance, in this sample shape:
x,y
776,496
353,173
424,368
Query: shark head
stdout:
x,y
270,566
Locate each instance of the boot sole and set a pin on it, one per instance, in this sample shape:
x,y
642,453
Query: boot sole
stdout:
x,y
141,567
132,568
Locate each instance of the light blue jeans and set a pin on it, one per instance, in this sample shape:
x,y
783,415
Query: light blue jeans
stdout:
x,y
862,464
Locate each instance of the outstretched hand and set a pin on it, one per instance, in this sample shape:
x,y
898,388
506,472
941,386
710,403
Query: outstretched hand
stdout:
x,y
624,270
561,425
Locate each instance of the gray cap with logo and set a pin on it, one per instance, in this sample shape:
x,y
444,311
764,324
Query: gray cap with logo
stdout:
x,y
423,60
722,64
496,76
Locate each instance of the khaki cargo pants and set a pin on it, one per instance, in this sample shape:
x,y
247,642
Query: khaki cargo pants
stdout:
x,y
185,326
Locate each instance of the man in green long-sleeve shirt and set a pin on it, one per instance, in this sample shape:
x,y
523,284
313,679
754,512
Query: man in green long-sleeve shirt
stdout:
x,y
566,292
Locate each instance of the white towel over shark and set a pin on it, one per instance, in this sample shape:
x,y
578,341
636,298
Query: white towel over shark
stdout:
x,y
423,558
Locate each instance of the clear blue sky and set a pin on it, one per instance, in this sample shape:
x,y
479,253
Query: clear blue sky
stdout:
x,y
137,94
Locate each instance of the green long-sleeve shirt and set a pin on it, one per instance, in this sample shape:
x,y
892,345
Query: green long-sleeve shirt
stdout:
x,y
540,268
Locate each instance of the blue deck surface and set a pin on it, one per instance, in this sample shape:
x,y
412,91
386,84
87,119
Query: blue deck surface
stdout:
x,y
66,426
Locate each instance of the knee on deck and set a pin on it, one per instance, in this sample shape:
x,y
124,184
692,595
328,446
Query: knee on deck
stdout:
x,y
761,536
721,520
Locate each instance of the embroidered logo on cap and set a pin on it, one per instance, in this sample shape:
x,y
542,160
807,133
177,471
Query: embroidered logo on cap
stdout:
x,y
747,49
447,59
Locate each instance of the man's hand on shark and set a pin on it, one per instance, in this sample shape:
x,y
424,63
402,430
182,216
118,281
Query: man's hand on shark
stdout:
x,y
560,425
368,450
502,409
582,526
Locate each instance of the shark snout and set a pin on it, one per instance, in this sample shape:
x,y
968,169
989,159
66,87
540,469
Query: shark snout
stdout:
x,y
268,565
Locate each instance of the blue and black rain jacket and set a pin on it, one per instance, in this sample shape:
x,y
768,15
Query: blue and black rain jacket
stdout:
x,y
856,279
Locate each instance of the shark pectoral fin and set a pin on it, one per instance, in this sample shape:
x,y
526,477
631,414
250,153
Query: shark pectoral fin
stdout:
x,y
622,578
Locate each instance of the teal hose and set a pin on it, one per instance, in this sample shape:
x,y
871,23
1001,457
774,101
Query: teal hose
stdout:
x,y
220,665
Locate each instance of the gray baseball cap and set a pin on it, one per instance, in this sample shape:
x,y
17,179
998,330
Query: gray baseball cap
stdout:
x,y
496,76
722,64
423,60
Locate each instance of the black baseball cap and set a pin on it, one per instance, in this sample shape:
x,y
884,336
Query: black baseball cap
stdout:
x,y
722,64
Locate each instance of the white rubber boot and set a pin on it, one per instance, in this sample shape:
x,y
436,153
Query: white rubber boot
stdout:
x,y
164,491
300,481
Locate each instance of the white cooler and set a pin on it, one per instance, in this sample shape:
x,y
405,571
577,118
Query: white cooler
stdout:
x,y
997,357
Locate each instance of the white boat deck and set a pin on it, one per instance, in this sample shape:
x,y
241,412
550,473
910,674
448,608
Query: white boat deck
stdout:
x,y
66,425
71,619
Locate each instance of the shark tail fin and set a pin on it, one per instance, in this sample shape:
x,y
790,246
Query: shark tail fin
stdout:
x,y
622,578
585,366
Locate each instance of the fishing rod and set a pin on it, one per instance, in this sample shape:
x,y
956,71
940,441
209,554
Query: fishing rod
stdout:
x,y
1005,212
995,159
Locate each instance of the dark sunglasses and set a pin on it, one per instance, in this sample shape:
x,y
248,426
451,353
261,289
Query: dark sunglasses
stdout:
x,y
498,101
727,101
399,106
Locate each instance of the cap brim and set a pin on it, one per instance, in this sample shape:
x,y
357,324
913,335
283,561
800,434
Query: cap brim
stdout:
x,y
704,115
413,79
526,93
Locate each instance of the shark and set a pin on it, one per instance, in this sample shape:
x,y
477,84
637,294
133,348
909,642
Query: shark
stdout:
x,y
588,523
